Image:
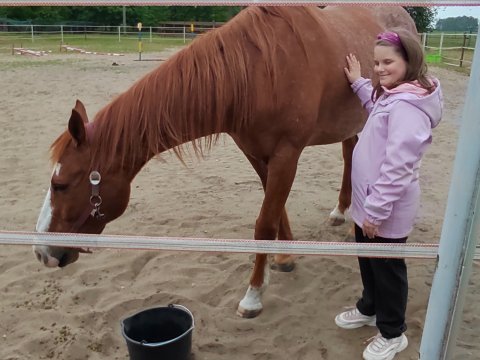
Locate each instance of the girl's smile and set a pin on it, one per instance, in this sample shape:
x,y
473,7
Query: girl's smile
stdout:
x,y
390,66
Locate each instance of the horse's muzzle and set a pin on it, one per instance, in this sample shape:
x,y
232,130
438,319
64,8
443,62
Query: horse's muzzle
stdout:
x,y
51,256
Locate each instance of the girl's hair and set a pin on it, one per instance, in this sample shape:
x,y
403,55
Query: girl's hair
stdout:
x,y
408,46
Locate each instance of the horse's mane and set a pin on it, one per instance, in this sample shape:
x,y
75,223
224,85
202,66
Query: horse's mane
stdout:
x,y
59,145
203,90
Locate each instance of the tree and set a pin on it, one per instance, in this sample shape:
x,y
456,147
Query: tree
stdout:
x,y
113,15
423,17
459,23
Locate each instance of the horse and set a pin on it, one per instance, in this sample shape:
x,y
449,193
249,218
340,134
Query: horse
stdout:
x,y
272,78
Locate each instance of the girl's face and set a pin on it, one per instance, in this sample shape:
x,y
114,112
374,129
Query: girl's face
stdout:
x,y
389,66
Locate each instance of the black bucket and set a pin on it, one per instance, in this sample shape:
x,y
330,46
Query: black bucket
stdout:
x,y
162,333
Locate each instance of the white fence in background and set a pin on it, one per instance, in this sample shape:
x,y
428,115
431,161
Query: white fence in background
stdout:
x,y
448,48
451,49
32,33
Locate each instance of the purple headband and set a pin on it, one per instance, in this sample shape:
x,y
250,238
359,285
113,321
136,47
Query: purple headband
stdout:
x,y
391,37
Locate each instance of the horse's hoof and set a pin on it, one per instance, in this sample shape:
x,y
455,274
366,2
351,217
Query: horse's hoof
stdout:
x,y
336,221
285,267
248,314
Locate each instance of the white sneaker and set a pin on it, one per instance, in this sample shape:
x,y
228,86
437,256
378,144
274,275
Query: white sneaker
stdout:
x,y
353,319
384,349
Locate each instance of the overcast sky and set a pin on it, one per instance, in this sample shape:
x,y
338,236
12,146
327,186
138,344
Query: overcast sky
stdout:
x,y
454,11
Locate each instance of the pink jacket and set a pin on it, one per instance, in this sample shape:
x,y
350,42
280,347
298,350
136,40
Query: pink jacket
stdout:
x,y
386,159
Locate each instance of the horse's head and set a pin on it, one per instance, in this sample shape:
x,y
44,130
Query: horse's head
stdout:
x,y
81,199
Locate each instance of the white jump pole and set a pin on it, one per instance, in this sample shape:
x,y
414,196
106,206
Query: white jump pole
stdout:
x,y
459,233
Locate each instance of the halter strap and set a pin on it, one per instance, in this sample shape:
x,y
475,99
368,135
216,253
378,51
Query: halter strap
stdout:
x,y
94,179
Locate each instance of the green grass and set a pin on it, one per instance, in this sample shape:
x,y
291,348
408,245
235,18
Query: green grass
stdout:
x,y
90,42
452,56
109,43
451,40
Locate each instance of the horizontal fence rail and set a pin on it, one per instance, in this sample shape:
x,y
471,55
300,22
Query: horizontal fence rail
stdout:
x,y
454,49
34,33
384,250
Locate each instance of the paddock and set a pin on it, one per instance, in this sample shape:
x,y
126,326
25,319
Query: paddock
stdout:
x,y
74,313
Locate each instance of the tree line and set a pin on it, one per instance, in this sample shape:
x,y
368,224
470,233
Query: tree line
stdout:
x,y
153,15
459,23
113,15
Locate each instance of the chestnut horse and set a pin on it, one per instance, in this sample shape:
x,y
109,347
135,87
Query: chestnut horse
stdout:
x,y
272,78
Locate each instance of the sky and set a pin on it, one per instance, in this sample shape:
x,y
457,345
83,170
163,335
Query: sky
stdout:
x,y
454,11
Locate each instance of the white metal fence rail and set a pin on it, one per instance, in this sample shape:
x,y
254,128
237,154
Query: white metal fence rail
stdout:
x,y
384,250
33,33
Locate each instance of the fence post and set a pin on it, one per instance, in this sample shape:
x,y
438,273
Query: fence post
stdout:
x,y
424,41
460,231
150,34
463,48
184,34
31,28
441,45
119,34
61,31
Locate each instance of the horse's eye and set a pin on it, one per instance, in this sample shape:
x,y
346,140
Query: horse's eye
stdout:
x,y
59,187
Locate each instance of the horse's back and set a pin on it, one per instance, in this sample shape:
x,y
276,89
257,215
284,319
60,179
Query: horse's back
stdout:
x,y
310,98
322,89
351,30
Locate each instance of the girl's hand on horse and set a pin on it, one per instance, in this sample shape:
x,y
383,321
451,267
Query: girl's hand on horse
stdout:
x,y
353,71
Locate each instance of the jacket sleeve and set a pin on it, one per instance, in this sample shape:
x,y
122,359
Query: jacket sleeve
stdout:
x,y
409,134
363,88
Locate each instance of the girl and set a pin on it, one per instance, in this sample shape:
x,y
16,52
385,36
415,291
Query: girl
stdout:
x,y
403,105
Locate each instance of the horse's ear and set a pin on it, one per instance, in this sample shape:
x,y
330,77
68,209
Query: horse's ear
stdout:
x,y
80,108
76,127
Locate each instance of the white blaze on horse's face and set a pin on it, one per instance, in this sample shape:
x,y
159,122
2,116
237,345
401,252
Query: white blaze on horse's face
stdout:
x,y
45,217
43,224
57,169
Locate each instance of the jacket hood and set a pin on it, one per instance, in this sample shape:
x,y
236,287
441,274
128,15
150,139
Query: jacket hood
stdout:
x,y
431,104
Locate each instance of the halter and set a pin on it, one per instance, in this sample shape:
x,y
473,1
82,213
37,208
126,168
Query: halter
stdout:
x,y
95,198
95,202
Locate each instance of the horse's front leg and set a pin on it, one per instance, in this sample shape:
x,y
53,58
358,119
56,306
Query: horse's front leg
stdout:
x,y
251,304
282,262
337,216
281,173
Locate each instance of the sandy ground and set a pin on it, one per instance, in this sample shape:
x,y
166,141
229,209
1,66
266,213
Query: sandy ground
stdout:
x,y
74,313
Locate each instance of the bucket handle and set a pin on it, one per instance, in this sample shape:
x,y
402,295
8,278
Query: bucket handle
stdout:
x,y
181,307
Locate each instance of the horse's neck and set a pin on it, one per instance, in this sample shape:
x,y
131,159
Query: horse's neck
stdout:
x,y
158,121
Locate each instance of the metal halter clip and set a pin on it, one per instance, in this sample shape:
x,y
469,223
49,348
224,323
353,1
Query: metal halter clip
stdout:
x,y
96,212
95,198
95,178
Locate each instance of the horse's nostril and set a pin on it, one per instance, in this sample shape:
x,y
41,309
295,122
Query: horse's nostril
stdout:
x,y
63,260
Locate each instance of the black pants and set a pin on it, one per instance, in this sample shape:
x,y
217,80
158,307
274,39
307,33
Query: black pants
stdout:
x,y
385,288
